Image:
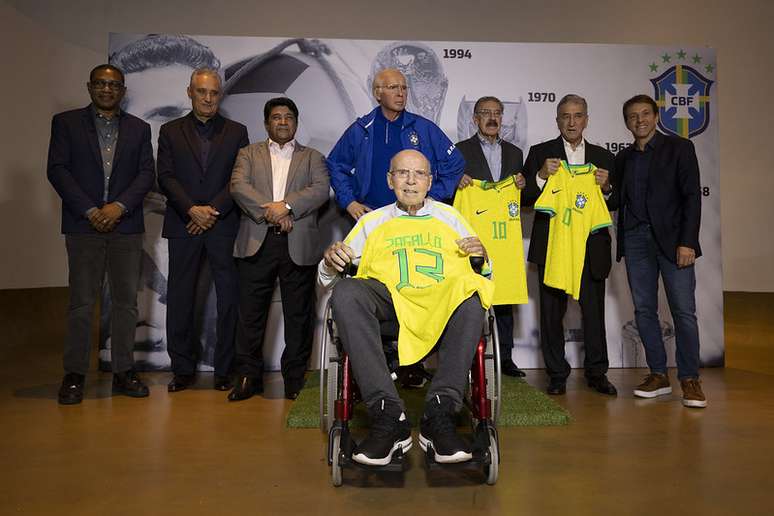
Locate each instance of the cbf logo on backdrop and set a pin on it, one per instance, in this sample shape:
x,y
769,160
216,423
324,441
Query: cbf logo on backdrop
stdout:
x,y
683,94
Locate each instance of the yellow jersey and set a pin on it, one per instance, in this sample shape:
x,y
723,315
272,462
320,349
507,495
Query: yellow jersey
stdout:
x,y
577,207
418,260
494,211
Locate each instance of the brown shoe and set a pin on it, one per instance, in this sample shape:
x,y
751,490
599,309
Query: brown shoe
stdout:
x,y
655,384
692,394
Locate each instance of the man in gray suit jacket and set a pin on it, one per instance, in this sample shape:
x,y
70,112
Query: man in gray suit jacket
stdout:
x,y
280,185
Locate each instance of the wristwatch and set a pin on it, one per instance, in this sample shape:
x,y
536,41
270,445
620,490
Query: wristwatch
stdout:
x,y
287,206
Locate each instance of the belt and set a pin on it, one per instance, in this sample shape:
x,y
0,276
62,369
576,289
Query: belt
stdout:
x,y
275,230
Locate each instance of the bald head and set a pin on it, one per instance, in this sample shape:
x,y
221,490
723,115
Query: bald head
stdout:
x,y
410,159
390,91
410,178
386,77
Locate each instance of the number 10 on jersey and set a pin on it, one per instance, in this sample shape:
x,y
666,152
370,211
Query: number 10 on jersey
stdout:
x,y
499,230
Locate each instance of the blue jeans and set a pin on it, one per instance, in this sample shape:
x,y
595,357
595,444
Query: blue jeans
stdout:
x,y
644,262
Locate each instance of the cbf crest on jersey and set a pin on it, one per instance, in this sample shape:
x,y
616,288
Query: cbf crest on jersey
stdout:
x,y
581,200
414,139
513,209
683,98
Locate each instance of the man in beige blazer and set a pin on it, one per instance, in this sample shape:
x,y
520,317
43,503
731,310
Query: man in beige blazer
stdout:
x,y
280,186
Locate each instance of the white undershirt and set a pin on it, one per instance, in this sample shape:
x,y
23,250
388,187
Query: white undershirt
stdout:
x,y
574,157
280,164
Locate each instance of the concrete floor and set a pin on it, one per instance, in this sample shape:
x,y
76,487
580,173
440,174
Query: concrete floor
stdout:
x,y
193,453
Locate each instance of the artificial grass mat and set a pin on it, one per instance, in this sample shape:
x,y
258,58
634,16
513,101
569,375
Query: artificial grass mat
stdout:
x,y
521,405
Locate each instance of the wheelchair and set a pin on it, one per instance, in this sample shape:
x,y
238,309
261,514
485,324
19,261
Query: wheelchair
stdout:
x,y
339,394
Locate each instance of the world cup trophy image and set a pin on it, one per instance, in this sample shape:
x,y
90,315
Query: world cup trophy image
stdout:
x,y
426,80
514,125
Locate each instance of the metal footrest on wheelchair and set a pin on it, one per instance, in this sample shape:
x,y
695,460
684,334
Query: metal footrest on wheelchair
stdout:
x,y
481,457
397,465
340,449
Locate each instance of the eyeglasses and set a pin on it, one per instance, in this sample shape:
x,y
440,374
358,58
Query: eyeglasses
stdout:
x,y
99,84
486,113
395,87
403,173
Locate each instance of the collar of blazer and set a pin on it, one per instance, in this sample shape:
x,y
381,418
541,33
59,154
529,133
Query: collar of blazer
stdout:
x,y
265,156
192,138
91,131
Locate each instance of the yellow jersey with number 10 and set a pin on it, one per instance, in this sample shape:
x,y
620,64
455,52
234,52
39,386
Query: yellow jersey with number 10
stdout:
x,y
577,207
494,211
418,260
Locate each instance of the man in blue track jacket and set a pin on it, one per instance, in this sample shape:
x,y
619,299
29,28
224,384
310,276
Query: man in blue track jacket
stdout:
x,y
359,162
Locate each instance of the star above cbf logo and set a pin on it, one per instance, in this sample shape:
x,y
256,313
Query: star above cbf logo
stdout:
x,y
682,93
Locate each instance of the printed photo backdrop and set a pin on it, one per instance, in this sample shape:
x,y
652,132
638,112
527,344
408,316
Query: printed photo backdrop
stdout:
x,y
329,79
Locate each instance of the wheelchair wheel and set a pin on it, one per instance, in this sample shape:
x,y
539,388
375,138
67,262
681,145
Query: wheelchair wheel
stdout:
x,y
493,373
336,470
329,372
492,470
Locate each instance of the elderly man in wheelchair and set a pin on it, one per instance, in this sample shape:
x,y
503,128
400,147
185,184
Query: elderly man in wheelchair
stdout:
x,y
413,267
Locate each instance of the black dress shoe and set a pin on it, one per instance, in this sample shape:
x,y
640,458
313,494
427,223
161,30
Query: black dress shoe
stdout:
x,y
511,369
245,388
292,388
180,382
556,387
130,384
222,383
71,391
601,384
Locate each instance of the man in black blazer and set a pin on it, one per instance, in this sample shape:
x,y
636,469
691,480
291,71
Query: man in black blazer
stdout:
x,y
490,158
195,156
544,160
100,161
656,185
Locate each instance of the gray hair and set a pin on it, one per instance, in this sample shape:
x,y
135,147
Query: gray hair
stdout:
x,y
574,99
487,99
207,71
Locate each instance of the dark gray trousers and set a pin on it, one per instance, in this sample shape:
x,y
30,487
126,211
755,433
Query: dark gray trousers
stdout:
x,y
88,257
359,305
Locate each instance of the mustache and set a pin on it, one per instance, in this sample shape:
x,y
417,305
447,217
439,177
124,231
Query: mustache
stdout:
x,y
492,123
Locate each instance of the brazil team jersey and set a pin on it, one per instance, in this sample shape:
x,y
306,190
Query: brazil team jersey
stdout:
x,y
418,260
575,203
494,211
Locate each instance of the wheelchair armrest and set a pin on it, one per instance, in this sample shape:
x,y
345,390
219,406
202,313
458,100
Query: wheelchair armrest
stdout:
x,y
477,263
350,270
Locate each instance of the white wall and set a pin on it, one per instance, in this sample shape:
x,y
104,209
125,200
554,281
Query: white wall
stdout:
x,y
50,47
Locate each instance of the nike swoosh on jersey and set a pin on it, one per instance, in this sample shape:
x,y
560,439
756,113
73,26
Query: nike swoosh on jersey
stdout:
x,y
556,191
479,212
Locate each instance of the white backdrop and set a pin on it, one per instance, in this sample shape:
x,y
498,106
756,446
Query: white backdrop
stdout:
x,y
329,80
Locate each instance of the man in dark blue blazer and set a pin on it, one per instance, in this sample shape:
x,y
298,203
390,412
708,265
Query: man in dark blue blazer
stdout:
x,y
196,154
100,162
657,189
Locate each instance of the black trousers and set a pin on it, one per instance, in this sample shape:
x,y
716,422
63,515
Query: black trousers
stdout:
x,y
185,262
504,320
89,256
257,276
553,306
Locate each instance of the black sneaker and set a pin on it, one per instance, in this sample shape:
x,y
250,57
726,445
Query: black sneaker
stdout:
x,y
129,383
388,433
439,432
71,391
